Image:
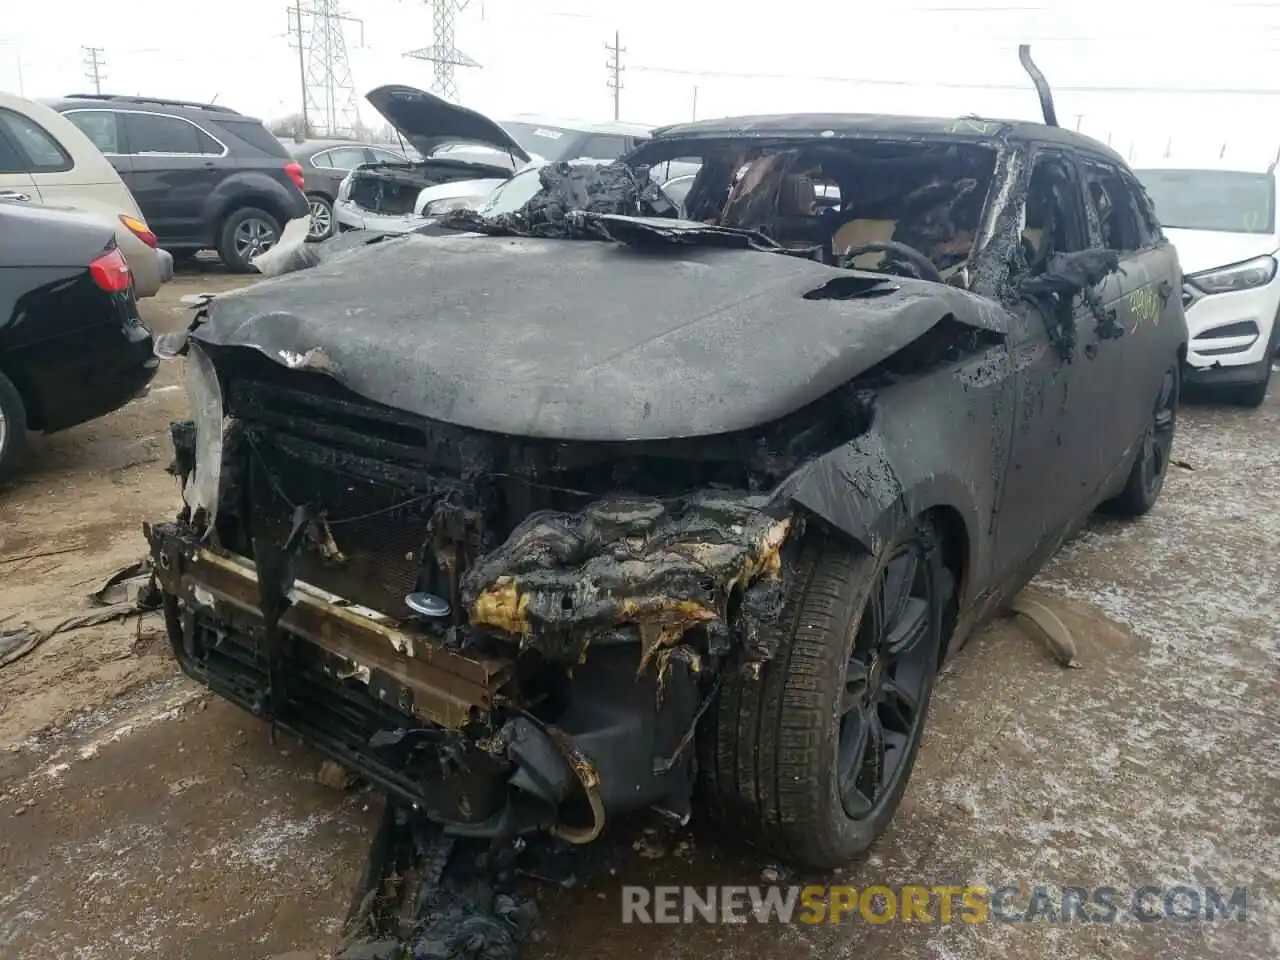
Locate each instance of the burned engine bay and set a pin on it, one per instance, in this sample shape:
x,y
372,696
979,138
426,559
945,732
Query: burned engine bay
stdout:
x,y
392,188
491,538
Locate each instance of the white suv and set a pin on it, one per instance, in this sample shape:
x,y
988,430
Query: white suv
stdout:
x,y
46,159
1222,219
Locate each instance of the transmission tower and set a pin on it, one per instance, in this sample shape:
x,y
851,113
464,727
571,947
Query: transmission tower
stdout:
x,y
443,52
94,67
328,95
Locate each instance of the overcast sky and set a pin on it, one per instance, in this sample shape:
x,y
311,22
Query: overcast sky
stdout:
x,y
941,57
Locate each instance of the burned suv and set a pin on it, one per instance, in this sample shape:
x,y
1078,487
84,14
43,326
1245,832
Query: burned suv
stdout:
x,y
561,516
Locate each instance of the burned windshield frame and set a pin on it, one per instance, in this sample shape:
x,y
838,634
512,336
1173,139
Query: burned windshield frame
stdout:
x,y
724,159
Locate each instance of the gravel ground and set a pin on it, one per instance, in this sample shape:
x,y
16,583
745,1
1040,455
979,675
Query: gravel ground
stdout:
x,y
141,818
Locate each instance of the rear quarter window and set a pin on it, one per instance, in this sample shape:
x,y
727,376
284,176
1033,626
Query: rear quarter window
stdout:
x,y
102,127
256,135
39,149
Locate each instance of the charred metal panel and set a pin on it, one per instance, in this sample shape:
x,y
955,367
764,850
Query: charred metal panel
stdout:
x,y
940,439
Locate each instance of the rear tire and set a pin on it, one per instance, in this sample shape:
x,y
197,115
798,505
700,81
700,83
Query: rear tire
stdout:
x,y
246,233
13,427
778,752
1151,464
322,222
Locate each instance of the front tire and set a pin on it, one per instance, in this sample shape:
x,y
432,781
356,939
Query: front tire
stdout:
x,y
247,233
1255,394
13,427
810,758
1146,477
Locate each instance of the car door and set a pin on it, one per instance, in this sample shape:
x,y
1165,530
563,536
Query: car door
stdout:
x,y
1136,299
334,164
16,182
41,153
1061,390
174,165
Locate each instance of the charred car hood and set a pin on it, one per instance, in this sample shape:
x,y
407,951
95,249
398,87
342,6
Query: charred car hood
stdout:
x,y
429,123
581,340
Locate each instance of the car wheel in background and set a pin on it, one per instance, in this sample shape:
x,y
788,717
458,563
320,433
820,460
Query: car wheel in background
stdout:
x,y
810,755
245,234
13,426
1146,477
1254,394
321,218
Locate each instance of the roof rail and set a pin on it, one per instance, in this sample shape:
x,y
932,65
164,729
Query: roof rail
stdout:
x,y
159,101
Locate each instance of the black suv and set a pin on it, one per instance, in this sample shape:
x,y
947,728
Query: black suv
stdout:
x,y
205,176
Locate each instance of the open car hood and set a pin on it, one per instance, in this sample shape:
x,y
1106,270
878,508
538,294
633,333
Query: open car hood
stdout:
x,y
429,123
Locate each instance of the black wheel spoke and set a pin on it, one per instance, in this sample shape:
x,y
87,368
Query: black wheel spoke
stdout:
x,y
886,680
899,577
898,707
862,779
855,687
911,627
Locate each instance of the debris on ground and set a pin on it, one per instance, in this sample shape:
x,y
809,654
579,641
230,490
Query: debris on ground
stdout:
x,y
335,776
649,845
126,592
129,584
1047,628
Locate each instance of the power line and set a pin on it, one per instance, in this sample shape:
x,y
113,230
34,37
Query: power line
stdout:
x,y
443,53
961,85
615,69
94,67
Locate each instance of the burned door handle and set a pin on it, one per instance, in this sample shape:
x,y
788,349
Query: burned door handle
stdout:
x,y
1165,290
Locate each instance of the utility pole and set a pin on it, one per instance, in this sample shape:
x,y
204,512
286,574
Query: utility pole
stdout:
x,y
296,29
695,102
615,68
443,53
1079,117
1168,146
94,67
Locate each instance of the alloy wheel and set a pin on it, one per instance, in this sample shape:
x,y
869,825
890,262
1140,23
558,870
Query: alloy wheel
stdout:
x,y
321,220
1157,441
253,237
886,681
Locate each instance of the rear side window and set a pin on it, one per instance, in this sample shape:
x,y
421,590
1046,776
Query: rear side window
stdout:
x,y
153,133
10,160
37,147
342,158
1113,214
256,135
100,126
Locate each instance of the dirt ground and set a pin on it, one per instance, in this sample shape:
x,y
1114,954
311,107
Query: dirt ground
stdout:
x,y
139,817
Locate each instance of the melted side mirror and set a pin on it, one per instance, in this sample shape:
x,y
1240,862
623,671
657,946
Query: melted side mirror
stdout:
x,y
1070,273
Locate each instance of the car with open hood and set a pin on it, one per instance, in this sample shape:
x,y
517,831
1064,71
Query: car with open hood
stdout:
x,y
465,155
597,502
1221,216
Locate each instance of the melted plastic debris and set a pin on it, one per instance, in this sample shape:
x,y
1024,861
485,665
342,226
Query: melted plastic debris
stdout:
x,y
663,567
611,188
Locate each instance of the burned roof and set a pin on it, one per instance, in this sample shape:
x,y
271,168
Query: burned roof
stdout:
x,y
804,126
